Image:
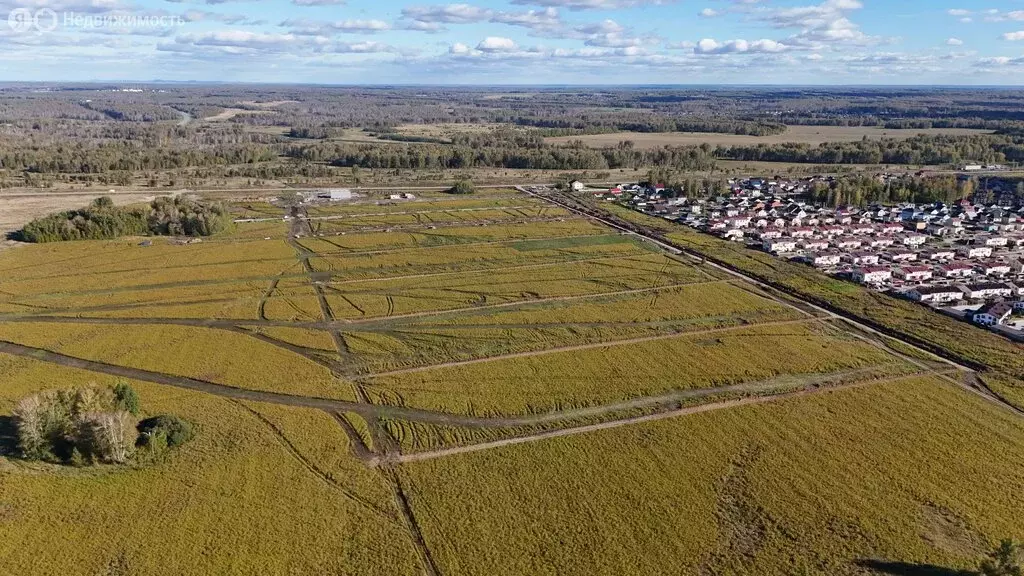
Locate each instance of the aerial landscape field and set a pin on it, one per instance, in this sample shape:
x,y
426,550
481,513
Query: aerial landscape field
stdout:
x,y
441,329
446,385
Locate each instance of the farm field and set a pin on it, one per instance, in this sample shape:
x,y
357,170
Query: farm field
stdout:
x,y
812,135
224,496
359,397
819,485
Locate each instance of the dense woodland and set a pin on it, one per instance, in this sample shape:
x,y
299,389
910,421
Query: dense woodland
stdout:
x,y
118,135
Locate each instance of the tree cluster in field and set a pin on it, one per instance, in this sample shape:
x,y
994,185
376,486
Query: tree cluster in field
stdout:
x,y
165,216
462,187
93,425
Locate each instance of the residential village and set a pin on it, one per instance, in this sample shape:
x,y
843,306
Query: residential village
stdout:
x,y
966,259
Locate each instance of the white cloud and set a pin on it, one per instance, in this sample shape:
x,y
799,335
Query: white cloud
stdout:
x,y
1014,36
954,42
317,2
448,14
432,18
709,13
314,28
496,44
592,4
710,46
820,25
958,12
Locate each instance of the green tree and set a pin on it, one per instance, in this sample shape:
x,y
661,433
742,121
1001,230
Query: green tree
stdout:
x,y
125,398
1007,559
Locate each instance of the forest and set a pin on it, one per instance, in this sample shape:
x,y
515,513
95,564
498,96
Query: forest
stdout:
x,y
110,135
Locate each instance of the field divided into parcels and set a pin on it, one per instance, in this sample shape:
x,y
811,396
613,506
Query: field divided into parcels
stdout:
x,y
351,354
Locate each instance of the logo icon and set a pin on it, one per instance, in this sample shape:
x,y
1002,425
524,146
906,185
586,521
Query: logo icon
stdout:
x,y
21,20
24,20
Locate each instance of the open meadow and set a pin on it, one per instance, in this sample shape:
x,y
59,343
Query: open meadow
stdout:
x,y
488,384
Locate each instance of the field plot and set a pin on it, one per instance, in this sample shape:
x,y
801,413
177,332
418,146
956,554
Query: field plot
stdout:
x,y
500,286
261,490
604,374
333,225
424,237
343,209
390,344
813,135
822,485
203,353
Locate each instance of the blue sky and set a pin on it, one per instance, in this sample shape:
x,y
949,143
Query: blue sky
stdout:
x,y
970,42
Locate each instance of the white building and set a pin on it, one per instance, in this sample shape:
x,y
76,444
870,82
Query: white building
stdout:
x,y
872,275
975,251
987,290
935,294
779,245
914,273
993,314
957,270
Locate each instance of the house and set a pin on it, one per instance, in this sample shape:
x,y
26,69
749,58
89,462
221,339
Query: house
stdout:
x,y
914,273
935,294
890,228
802,232
993,268
975,251
871,275
738,221
848,243
902,256
861,258
941,254
986,290
957,270
577,186
824,260
862,229
814,245
996,241
880,242
993,314
832,230
779,245
733,234
768,233
914,239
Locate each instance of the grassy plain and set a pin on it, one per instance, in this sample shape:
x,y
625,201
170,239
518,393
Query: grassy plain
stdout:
x,y
821,485
601,375
504,319
236,500
203,353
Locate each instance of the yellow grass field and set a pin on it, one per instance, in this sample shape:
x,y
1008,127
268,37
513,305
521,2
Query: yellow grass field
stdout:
x,y
819,485
573,378
236,500
813,135
203,353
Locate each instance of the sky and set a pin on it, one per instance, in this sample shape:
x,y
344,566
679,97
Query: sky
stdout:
x,y
516,42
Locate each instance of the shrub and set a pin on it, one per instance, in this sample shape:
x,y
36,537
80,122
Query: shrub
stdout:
x,y
462,187
174,430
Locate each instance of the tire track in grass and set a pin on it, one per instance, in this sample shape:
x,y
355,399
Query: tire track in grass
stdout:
x,y
311,466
